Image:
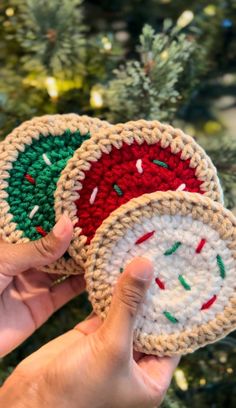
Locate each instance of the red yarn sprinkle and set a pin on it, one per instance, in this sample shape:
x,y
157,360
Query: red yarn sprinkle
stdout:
x,y
41,231
160,283
30,178
208,303
144,237
200,246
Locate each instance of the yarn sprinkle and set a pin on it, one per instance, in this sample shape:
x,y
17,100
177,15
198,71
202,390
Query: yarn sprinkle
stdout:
x,y
173,249
170,317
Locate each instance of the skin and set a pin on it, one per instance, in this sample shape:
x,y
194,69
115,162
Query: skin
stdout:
x,y
92,365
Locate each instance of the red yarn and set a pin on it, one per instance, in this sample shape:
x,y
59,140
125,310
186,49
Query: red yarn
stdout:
x,y
119,167
160,283
200,246
144,237
41,231
208,303
30,178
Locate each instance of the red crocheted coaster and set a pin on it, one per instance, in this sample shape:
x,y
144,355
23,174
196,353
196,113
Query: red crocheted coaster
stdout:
x,y
125,162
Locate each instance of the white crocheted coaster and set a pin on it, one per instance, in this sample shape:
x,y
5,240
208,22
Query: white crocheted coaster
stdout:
x,y
31,159
191,241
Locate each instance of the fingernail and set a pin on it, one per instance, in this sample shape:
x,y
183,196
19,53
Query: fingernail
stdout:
x,y
141,268
60,227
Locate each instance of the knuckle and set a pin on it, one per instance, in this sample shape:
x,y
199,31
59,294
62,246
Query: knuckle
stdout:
x,y
130,296
45,247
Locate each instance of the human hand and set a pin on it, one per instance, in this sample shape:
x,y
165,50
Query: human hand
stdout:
x,y
27,295
93,365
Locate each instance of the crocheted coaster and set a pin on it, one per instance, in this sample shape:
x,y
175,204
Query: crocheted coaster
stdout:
x,y
191,241
126,161
31,159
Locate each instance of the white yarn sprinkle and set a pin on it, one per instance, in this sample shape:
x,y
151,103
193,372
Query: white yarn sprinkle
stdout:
x,y
139,166
33,212
46,159
93,195
181,187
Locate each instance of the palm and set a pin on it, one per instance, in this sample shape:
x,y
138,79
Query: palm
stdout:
x,y
27,302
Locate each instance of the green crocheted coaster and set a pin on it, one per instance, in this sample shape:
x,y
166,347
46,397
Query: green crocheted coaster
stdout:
x,y
31,160
33,179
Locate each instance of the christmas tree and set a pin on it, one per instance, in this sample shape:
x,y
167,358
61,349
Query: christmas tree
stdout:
x,y
104,59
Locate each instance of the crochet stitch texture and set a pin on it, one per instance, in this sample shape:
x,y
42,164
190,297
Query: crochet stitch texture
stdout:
x,y
126,161
31,160
191,241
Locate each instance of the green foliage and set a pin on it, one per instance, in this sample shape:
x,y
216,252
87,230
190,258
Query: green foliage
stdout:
x,y
226,166
51,33
148,87
14,108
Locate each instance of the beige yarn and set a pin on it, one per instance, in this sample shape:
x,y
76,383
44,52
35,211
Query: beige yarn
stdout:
x,y
71,180
9,149
199,207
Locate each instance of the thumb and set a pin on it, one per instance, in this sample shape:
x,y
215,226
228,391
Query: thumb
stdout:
x,y
17,258
129,293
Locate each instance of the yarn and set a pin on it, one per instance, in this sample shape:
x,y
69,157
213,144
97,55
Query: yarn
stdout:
x,y
191,300
117,180
123,162
32,181
31,160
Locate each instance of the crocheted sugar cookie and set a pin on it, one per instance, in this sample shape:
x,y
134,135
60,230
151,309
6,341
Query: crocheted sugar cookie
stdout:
x,y
31,159
191,241
126,161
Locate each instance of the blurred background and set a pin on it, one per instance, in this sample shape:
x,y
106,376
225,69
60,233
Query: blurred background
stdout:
x,y
171,60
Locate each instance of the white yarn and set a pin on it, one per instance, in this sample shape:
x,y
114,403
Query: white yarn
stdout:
x,y
200,271
181,187
139,165
33,212
93,195
46,159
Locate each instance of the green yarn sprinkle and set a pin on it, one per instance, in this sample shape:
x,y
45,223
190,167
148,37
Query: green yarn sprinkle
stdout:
x,y
121,270
221,265
184,283
170,317
160,163
23,196
174,248
118,189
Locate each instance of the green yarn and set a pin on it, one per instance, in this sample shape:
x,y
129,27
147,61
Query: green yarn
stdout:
x,y
23,196
160,163
184,283
118,190
174,248
170,317
221,266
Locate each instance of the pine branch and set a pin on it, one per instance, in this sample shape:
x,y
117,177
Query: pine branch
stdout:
x,y
148,87
51,34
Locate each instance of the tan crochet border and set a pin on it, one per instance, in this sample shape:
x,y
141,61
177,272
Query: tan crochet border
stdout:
x,y
121,220
71,180
9,150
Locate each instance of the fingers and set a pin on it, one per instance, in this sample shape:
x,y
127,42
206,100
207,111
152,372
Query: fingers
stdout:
x,y
129,293
16,258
